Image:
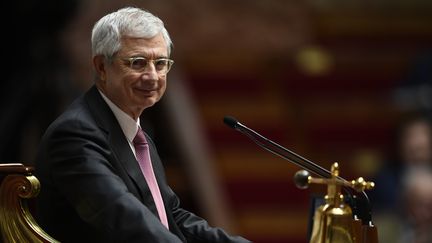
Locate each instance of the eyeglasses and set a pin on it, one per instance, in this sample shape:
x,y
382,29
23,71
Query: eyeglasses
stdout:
x,y
139,64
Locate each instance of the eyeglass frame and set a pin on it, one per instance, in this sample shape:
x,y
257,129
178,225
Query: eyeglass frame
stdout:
x,y
130,60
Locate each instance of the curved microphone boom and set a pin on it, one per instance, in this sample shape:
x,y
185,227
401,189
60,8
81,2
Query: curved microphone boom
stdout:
x,y
361,206
277,149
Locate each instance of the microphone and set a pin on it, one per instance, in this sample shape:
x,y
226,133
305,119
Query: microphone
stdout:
x,y
277,149
362,206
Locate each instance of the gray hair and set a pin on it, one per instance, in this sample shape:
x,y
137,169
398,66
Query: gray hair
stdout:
x,y
128,21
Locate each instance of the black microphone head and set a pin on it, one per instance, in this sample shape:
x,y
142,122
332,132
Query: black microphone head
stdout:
x,y
230,121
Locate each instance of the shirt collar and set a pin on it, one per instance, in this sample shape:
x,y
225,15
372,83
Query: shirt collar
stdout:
x,y
127,123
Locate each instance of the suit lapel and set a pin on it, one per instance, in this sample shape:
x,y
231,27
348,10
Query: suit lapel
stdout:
x,y
157,167
163,186
123,155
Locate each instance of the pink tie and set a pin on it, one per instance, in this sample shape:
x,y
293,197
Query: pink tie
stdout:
x,y
143,157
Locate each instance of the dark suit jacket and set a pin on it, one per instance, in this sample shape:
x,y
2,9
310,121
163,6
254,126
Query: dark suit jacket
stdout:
x,y
92,189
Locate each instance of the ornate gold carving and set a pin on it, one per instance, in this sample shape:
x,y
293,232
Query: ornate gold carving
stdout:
x,y
16,221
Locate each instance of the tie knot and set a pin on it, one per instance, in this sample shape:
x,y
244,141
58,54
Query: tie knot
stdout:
x,y
140,138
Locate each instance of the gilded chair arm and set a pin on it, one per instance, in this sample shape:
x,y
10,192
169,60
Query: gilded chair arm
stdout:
x,y
16,221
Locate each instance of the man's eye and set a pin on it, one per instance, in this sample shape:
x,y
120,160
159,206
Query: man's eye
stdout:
x,y
138,63
160,64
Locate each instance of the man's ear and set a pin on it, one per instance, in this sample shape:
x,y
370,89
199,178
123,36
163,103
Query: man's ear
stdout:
x,y
99,65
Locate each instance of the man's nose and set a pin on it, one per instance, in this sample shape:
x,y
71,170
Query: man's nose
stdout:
x,y
150,72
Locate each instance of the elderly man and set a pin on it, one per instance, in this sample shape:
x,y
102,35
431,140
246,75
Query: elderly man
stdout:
x,y
102,179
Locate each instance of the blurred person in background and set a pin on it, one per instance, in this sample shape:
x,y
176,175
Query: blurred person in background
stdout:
x,y
96,185
416,206
393,195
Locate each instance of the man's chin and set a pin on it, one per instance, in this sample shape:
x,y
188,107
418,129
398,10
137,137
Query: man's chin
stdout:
x,y
148,101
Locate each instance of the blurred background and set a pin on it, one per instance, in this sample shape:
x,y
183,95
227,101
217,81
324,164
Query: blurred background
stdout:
x,y
332,80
